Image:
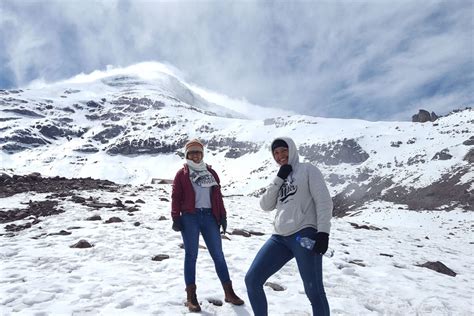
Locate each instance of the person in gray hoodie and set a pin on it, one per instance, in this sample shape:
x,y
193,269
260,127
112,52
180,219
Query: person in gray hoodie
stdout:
x,y
303,209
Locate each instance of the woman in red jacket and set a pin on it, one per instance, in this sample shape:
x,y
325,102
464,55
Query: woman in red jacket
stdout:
x,y
197,207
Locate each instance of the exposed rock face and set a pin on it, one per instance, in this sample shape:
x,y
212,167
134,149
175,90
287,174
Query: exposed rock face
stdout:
x,y
22,139
354,195
424,116
442,155
334,153
108,133
19,184
469,142
469,156
439,267
446,193
144,146
234,148
36,209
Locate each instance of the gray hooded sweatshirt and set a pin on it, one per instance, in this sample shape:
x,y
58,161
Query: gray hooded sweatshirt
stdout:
x,y
302,200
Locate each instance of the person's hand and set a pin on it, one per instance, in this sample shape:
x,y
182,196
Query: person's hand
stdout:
x,y
177,224
284,171
321,245
224,224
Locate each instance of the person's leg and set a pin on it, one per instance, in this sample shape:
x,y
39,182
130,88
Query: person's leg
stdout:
x,y
270,258
190,234
310,266
212,238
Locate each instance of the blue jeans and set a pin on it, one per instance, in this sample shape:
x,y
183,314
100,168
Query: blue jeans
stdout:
x,y
202,221
274,254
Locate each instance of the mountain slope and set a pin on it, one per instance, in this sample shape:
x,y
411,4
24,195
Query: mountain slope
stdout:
x,y
129,126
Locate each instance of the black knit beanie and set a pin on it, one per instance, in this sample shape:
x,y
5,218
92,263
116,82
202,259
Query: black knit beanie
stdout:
x,y
279,143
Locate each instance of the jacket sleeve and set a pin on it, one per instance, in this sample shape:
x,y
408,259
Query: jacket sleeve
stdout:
x,y
220,200
322,199
176,196
268,201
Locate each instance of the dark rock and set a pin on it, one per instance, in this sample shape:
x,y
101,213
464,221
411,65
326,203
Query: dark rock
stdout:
x,y
151,145
16,228
94,218
334,153
78,199
335,179
129,202
109,133
438,266
87,148
36,209
113,220
448,193
215,301
160,257
241,232
368,227
386,255
442,155
355,195
275,286
81,244
162,218
469,142
136,224
422,117
93,104
140,201
164,199
396,144
416,159
469,157
357,262
24,112
61,233
254,233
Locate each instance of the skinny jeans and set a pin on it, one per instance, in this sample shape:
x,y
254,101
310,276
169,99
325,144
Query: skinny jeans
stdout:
x,y
202,222
274,254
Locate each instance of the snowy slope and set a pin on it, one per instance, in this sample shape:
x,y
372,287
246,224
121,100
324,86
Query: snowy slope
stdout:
x,y
129,125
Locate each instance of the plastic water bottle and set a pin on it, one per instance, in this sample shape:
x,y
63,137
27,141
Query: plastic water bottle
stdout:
x,y
309,243
306,242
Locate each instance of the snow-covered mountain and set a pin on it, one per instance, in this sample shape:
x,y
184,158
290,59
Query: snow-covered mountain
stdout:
x,y
92,247
129,125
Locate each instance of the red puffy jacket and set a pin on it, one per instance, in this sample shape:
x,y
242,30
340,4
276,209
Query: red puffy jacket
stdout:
x,y
183,197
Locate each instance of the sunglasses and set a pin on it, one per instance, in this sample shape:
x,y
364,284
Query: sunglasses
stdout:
x,y
194,152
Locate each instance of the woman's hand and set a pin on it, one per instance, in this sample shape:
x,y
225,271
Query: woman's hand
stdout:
x,y
177,224
321,245
284,171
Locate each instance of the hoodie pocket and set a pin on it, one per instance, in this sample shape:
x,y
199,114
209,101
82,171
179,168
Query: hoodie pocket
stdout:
x,y
288,220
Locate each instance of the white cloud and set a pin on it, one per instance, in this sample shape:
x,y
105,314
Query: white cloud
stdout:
x,y
348,59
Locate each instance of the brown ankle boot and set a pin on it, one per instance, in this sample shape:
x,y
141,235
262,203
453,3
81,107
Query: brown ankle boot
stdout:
x,y
230,296
191,301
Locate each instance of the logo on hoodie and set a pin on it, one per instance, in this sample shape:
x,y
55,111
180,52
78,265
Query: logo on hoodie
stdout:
x,y
287,189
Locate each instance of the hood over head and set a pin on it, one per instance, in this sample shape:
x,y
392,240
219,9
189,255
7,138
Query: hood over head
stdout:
x,y
293,157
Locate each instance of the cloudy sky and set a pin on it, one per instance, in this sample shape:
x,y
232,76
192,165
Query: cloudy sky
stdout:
x,y
376,60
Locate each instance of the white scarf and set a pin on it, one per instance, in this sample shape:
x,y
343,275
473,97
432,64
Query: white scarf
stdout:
x,y
199,174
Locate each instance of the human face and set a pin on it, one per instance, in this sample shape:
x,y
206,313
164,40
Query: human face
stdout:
x,y
280,154
195,156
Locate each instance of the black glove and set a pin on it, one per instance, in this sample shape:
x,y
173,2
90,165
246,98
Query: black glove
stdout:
x,y
321,246
224,224
176,224
284,171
